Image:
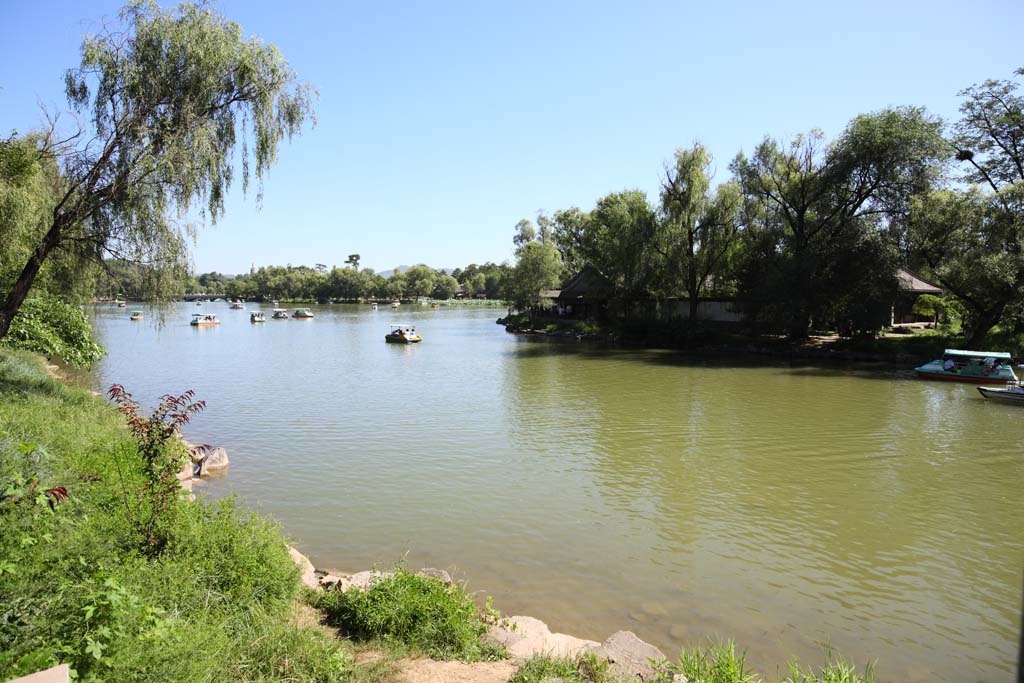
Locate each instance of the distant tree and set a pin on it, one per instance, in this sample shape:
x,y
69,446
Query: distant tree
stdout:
x,y
525,232
420,280
164,93
620,236
353,260
572,237
538,267
476,284
320,268
929,305
545,228
699,228
446,287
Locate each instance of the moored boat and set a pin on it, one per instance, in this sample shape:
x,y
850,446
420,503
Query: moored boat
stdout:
x,y
302,313
1009,394
978,367
201,320
402,334
280,314
257,317
136,315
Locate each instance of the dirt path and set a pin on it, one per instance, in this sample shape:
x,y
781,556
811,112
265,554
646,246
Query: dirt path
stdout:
x,y
429,671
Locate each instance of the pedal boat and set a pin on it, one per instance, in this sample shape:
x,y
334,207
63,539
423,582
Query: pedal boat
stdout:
x,y
978,367
402,334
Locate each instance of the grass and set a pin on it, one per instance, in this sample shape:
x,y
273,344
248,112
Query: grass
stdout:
x,y
586,668
416,613
74,588
714,663
721,663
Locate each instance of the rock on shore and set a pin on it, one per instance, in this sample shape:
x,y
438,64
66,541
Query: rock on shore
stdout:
x,y
523,637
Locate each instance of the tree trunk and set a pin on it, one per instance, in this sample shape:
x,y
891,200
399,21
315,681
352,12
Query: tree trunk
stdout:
x,y
985,321
693,290
24,282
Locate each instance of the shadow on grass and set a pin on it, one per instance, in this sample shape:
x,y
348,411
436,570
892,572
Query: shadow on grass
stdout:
x,y
23,374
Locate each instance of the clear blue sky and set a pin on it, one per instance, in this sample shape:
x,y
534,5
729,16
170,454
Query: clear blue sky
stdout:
x,y
443,123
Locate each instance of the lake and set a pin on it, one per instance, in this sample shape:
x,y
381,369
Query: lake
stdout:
x,y
785,506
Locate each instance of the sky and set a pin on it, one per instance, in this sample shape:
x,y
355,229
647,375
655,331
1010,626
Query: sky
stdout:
x,y
441,124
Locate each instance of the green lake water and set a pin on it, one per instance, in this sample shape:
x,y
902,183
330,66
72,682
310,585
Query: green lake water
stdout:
x,y
784,506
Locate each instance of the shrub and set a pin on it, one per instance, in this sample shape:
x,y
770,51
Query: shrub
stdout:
x,y
155,508
54,329
415,611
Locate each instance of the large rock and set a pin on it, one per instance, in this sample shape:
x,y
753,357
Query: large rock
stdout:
x,y
439,574
330,581
308,573
630,657
525,637
58,674
185,473
366,579
215,461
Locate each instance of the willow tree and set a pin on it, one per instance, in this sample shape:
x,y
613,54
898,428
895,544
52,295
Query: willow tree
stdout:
x,y
699,227
168,99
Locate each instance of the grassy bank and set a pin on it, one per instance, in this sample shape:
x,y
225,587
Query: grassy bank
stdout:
x,y
76,588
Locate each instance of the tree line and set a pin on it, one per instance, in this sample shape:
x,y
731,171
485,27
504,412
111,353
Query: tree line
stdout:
x,y
809,232
352,283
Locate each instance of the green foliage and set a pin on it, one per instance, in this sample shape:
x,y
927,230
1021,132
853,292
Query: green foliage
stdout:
x,y
418,612
538,267
152,507
834,671
699,229
821,217
929,305
586,668
446,287
56,330
173,97
719,663
74,588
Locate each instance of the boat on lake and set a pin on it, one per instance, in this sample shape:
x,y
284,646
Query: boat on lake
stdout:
x,y
302,313
373,307
257,317
121,304
1009,394
402,334
136,315
395,304
201,320
280,314
979,367
237,305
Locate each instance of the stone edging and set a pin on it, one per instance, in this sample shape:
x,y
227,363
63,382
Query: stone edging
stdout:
x,y
523,637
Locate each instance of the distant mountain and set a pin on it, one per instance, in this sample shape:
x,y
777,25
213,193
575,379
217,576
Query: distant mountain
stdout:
x,y
402,269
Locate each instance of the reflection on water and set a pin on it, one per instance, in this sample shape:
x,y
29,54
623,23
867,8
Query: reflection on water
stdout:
x,y
783,506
